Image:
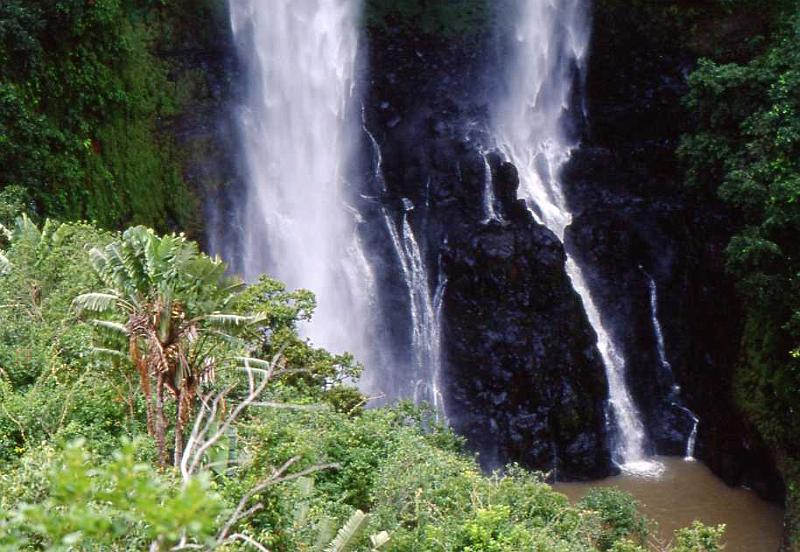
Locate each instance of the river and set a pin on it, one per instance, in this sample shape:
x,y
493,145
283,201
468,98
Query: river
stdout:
x,y
688,491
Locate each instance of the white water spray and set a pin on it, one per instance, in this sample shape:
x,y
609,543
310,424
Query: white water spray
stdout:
x,y
550,40
299,141
690,443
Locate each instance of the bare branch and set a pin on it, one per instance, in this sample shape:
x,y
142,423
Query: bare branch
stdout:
x,y
197,435
198,455
311,407
237,514
275,478
248,540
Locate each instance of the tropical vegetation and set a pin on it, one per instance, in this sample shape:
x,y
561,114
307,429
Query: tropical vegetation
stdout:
x,y
149,401
158,404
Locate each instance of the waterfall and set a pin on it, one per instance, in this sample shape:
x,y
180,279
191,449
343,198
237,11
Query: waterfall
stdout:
x,y
690,442
299,141
425,312
488,192
549,41
660,347
665,364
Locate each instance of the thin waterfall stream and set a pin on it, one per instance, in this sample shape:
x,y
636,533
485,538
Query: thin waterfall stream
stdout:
x,y
661,349
550,39
488,192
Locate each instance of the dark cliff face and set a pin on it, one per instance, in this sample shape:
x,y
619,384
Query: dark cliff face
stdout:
x,y
522,380
634,220
202,62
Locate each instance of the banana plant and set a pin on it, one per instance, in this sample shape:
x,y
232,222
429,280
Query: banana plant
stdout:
x,y
166,303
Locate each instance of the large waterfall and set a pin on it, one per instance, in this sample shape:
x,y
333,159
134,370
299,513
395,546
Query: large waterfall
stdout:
x,y
300,137
550,43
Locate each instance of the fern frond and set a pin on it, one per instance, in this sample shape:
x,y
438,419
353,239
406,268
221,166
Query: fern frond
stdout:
x,y
326,531
379,539
254,362
6,233
231,319
27,231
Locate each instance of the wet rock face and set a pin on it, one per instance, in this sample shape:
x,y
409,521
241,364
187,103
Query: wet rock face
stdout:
x,y
524,379
634,220
521,378
203,62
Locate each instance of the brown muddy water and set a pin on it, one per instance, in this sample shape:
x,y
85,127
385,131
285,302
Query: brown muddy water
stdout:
x,y
688,491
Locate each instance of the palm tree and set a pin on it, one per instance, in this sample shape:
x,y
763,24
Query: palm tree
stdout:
x,y
168,300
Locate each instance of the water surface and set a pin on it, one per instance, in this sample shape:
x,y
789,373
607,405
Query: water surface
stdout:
x,y
688,491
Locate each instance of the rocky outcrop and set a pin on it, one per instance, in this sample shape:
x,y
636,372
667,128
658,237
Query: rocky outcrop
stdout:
x,y
636,219
523,381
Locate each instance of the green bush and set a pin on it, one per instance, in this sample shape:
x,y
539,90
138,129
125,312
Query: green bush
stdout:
x,y
93,508
620,518
700,538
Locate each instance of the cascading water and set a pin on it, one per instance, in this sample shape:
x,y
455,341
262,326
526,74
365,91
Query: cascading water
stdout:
x,y
488,192
550,40
299,140
665,364
660,345
425,308
425,312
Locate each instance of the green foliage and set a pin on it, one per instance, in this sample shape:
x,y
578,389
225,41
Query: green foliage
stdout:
x,y
621,520
49,381
122,500
746,148
83,101
700,538
443,18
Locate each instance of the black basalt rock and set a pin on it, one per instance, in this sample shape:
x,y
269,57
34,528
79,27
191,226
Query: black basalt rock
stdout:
x,y
521,377
524,380
635,220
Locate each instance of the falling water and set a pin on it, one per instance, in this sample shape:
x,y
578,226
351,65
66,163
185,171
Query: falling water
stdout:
x,y
425,311
665,364
488,192
660,347
550,41
299,140
690,442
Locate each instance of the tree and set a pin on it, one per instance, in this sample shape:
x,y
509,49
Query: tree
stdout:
x,y
168,300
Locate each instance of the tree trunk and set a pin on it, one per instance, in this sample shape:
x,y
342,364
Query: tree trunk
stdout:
x,y
179,399
144,381
160,422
